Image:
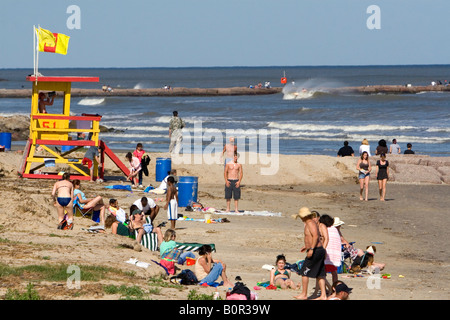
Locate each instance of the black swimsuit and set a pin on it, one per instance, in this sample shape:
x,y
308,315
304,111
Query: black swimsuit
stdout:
x,y
382,170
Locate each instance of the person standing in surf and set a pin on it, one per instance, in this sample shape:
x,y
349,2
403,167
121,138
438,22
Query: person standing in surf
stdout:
x,y
176,124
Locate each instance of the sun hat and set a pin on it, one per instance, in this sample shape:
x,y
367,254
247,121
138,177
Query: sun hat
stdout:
x,y
304,212
343,287
338,222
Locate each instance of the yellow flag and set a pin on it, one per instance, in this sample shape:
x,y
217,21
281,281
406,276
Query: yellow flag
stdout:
x,y
52,42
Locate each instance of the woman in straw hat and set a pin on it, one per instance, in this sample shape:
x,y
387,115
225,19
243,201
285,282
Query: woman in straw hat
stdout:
x,y
313,266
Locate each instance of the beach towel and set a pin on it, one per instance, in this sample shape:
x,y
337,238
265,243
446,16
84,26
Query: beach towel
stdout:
x,y
193,246
252,213
333,256
119,187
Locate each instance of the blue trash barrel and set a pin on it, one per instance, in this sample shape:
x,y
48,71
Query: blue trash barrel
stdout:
x,y
5,140
163,166
187,191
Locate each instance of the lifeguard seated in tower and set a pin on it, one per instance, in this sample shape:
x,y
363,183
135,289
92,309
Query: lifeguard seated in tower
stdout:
x,y
45,100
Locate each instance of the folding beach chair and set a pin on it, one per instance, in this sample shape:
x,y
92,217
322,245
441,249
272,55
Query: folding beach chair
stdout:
x,y
85,212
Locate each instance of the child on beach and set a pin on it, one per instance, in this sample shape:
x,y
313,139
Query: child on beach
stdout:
x,y
170,254
171,202
280,276
139,153
117,211
134,166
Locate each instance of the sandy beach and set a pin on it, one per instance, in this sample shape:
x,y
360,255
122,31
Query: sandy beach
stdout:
x,y
409,229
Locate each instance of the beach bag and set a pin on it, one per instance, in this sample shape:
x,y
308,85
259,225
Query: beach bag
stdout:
x,y
186,277
240,289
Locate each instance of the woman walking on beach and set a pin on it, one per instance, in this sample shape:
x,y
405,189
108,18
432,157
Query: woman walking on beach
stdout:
x,y
363,166
62,196
382,175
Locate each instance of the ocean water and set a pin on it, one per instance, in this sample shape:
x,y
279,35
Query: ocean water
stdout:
x,y
310,122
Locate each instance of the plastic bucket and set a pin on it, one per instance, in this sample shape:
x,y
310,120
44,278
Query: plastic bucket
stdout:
x,y
187,191
5,140
163,166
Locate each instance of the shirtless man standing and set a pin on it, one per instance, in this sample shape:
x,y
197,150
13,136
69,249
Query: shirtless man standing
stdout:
x,y
233,177
313,266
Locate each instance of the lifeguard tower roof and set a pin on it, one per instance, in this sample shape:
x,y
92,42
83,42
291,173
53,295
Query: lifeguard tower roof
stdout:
x,y
63,79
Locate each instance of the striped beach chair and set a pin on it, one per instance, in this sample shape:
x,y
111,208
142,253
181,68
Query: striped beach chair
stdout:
x,y
193,246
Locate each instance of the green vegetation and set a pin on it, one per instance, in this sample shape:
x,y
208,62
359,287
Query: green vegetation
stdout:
x,y
193,295
30,294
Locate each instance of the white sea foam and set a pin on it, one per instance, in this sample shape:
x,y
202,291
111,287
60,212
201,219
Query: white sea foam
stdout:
x,y
344,128
91,101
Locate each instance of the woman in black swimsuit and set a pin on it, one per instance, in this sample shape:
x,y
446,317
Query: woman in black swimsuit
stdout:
x,y
382,175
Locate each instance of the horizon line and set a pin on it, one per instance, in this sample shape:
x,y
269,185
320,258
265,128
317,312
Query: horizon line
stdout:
x,y
225,67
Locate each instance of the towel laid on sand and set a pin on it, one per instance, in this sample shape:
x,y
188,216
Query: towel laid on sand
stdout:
x,y
251,213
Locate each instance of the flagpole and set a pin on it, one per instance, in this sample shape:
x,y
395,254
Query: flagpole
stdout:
x,y
34,49
37,55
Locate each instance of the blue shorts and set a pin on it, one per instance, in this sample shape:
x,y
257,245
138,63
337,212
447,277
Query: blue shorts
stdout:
x,y
363,175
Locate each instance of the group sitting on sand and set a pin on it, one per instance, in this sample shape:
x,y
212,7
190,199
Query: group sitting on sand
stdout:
x,y
323,240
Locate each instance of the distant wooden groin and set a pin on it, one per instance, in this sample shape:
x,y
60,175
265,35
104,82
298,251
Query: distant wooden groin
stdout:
x,y
174,92
232,91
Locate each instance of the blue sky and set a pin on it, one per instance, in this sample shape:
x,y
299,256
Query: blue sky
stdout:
x,y
191,33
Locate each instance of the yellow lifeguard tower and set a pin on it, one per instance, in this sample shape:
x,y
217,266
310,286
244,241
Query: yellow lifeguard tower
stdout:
x,y
53,129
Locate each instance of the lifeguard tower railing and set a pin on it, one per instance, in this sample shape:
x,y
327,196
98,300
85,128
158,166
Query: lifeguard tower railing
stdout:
x,y
50,130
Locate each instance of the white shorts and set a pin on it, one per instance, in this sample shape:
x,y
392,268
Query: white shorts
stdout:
x,y
172,210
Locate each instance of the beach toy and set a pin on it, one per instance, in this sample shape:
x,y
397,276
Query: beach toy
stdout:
x,y
5,140
163,167
386,276
187,190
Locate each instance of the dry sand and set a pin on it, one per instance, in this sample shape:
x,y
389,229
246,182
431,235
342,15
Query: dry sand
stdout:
x,y
410,228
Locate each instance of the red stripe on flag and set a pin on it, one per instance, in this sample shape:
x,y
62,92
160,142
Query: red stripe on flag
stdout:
x,y
51,48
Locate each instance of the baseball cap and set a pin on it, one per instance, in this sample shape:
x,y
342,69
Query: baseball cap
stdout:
x,y
343,287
